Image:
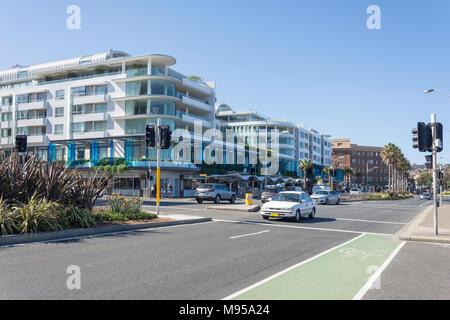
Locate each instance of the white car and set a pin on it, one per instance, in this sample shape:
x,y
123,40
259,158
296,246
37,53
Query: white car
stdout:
x,y
290,204
355,192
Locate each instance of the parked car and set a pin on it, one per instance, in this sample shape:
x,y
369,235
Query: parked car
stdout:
x,y
425,196
316,189
327,197
355,192
290,204
214,192
269,192
294,188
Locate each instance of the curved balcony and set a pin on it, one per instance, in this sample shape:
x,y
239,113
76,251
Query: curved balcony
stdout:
x,y
199,105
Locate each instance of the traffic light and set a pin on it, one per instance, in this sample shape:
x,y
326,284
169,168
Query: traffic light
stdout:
x,y
166,136
422,137
253,171
440,176
428,163
150,137
440,136
21,143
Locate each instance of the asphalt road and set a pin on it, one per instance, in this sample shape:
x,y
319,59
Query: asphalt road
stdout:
x,y
202,261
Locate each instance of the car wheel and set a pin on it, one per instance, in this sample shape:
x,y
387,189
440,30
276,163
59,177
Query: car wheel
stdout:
x,y
199,201
298,216
265,218
217,200
338,201
233,199
327,202
313,213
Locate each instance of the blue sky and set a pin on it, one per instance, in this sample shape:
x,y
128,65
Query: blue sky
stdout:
x,y
312,62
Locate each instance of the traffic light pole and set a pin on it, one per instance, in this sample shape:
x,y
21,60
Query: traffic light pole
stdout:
x,y
434,145
331,179
158,168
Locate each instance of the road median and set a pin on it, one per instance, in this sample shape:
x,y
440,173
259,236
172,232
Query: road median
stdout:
x,y
103,230
421,228
236,207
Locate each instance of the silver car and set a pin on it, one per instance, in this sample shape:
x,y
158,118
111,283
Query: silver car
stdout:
x,y
327,197
214,192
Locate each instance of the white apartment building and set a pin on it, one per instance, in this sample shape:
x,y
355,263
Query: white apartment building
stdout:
x,y
248,125
94,109
296,142
314,146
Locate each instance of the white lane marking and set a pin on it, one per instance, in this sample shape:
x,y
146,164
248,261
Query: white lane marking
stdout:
x,y
299,227
362,292
103,234
234,295
249,234
379,206
426,203
371,221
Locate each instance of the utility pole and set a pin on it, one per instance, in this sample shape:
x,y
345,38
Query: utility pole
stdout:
x,y
434,148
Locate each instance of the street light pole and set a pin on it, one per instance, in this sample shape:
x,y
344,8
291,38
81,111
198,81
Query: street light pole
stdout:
x,y
367,173
433,127
434,148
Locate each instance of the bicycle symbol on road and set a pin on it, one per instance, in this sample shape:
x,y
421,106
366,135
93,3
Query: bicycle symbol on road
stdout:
x,y
360,254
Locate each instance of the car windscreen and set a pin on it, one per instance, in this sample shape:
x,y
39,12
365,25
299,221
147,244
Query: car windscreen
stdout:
x,y
289,197
205,186
270,190
322,192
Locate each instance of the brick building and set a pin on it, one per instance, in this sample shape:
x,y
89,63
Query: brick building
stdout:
x,y
364,160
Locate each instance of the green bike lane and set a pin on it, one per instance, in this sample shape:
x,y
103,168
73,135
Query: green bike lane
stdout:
x,y
341,273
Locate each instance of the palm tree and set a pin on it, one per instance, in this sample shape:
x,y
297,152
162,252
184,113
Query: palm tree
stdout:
x,y
388,155
304,166
349,172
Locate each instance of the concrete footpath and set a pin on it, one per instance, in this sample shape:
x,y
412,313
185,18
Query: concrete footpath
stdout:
x,y
103,230
421,228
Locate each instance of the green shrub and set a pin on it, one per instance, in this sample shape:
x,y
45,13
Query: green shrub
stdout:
x,y
124,206
107,216
387,196
37,216
73,217
34,179
8,224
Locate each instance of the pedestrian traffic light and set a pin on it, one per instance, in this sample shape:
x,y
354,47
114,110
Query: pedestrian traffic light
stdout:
x,y
440,176
253,171
422,138
150,137
165,135
21,143
439,136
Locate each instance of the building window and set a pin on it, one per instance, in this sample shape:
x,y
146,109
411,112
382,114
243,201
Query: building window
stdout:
x,y
59,129
59,112
59,95
6,133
